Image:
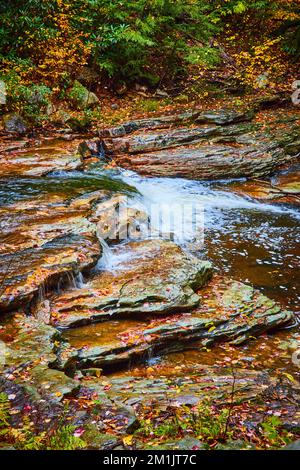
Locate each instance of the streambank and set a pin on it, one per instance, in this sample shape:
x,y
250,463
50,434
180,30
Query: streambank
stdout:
x,y
77,303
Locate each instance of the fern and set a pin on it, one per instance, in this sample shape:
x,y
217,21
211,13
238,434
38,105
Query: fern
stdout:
x,y
64,439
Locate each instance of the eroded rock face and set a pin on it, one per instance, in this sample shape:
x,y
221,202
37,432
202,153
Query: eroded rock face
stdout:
x,y
47,240
31,224
34,222
228,311
158,278
221,147
209,162
151,123
223,117
281,189
43,160
27,273
141,143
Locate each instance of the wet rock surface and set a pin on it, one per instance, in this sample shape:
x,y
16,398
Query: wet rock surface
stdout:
x,y
228,311
163,392
30,350
159,278
28,377
283,188
162,395
25,274
31,380
16,162
48,240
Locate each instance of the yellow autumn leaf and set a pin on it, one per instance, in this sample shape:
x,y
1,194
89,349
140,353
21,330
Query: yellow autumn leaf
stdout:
x,y
128,440
289,376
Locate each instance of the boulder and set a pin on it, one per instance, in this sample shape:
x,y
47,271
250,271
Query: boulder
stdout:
x,y
82,97
224,117
90,148
14,123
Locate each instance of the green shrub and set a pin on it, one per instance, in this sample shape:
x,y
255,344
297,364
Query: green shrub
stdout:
x,y
24,437
273,432
149,105
77,94
29,100
202,422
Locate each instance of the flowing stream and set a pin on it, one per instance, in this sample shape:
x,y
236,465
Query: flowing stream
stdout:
x,y
246,239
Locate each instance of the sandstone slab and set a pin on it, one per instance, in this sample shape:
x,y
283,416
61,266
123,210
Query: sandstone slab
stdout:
x,y
157,277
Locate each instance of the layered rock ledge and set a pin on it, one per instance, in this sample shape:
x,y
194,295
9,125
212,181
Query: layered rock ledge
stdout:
x,y
229,311
211,146
158,278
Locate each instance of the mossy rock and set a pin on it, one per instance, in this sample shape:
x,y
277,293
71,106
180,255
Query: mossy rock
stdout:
x,y
81,97
236,445
97,440
186,443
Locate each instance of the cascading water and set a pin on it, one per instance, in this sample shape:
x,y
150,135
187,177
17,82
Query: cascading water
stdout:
x,y
158,192
247,239
105,263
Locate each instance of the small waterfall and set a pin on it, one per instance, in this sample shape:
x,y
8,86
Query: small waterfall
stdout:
x,y
105,263
70,280
115,259
41,293
79,280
